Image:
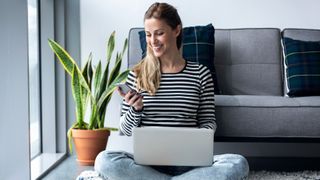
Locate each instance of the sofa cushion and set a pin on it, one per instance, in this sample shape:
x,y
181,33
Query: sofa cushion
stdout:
x,y
248,61
134,49
197,46
255,101
272,122
267,116
302,60
308,101
299,34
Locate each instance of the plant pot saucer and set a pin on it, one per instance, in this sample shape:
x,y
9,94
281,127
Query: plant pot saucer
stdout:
x,y
85,162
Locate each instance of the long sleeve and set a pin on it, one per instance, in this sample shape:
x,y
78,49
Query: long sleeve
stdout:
x,y
129,117
184,99
206,111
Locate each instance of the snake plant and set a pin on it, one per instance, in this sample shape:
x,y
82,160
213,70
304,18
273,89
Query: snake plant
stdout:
x,y
91,86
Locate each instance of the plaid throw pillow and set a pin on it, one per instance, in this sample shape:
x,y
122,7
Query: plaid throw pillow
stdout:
x,y
197,46
303,67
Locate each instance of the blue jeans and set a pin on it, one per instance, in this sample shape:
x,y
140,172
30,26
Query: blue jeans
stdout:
x,y
120,165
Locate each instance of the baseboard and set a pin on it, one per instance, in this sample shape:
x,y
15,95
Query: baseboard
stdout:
x,y
284,163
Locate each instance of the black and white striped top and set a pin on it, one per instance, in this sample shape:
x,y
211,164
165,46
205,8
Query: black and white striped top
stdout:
x,y
184,99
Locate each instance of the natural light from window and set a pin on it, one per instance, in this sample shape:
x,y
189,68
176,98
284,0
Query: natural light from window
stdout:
x,y
34,78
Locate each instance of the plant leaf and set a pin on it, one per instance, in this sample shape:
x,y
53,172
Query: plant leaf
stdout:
x,y
112,87
110,46
109,128
102,115
103,110
85,96
90,72
77,95
67,61
64,57
93,117
86,71
75,125
125,46
104,80
97,78
115,71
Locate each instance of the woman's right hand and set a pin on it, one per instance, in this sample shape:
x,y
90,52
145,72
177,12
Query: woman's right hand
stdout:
x,y
132,98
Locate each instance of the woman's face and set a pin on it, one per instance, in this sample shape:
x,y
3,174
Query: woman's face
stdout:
x,y
161,38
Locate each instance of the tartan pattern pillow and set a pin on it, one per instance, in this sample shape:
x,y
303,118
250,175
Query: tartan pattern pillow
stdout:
x,y
303,67
197,46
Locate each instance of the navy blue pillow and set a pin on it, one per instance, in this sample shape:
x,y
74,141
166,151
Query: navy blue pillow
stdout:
x,y
303,67
197,46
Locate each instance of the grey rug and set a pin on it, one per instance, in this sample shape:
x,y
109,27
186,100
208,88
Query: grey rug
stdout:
x,y
254,175
270,175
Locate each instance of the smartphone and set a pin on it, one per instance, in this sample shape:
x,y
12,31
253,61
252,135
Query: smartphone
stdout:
x,y
124,88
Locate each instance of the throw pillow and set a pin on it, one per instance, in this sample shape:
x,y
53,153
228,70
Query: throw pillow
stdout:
x,y
303,67
197,46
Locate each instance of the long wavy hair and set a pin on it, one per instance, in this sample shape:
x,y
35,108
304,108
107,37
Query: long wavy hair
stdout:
x,y
148,71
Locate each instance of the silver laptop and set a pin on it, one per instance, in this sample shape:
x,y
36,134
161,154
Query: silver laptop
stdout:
x,y
173,146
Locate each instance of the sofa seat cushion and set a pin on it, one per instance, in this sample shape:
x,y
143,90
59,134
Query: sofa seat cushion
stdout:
x,y
267,116
310,101
254,101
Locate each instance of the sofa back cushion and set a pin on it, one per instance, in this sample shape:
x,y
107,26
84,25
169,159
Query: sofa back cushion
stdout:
x,y
134,48
248,61
302,34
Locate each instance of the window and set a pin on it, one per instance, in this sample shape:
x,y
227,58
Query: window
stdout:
x,y
34,79
49,109
43,92
41,109
42,157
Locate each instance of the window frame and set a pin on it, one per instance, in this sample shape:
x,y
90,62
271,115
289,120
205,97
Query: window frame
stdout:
x,y
58,20
34,84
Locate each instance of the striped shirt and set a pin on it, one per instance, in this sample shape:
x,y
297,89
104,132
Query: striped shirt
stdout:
x,y
184,99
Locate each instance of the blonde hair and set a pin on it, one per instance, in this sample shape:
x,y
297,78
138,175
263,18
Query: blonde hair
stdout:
x,y
148,71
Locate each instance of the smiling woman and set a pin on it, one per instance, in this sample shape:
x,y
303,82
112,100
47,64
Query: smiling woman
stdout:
x,y
173,93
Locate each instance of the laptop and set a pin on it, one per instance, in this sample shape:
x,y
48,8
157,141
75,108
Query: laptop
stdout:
x,y
169,146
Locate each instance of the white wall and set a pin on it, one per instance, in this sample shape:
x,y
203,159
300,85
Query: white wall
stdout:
x,y
100,17
14,107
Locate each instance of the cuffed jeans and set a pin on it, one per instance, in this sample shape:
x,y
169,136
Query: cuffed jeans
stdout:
x,y
120,165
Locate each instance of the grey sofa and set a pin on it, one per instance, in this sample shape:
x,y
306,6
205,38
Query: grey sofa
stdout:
x,y
252,105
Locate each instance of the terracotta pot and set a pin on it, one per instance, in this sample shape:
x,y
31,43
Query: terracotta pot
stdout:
x,y
89,143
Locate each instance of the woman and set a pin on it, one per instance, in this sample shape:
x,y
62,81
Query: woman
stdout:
x,y
169,91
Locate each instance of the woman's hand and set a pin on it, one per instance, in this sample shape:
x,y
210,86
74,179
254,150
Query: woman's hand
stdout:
x,y
132,98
